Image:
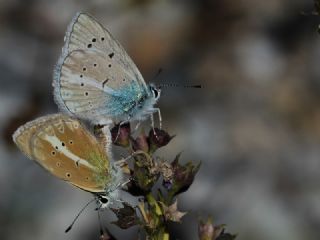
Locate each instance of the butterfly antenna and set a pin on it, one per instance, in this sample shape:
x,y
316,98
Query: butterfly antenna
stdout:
x,y
165,85
100,224
75,219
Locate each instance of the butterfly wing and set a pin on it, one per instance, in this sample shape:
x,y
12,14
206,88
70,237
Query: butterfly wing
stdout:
x,y
67,150
93,91
24,133
95,66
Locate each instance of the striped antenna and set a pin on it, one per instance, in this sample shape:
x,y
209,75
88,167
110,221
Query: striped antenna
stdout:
x,y
164,85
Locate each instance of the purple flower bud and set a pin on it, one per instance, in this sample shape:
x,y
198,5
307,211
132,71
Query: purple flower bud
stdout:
x,y
121,134
206,230
158,138
140,143
183,176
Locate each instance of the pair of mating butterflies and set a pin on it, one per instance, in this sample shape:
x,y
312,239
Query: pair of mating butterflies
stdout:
x,y
94,80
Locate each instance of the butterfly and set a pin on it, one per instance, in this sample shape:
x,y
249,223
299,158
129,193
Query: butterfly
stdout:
x,y
96,80
64,147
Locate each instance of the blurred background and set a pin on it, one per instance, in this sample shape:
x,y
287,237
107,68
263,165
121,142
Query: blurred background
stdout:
x,y
255,124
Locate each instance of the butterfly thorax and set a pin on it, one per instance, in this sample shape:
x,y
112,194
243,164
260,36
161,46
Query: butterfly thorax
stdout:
x,y
132,103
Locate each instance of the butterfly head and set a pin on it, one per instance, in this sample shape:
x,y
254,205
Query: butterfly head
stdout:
x,y
103,200
156,91
107,198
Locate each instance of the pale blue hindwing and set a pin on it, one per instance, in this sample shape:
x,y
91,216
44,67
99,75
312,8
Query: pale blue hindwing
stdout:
x,y
110,88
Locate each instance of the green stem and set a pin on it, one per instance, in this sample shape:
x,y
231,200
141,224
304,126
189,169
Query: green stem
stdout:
x,y
160,232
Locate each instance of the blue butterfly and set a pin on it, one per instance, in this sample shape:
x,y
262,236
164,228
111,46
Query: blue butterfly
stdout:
x,y
96,80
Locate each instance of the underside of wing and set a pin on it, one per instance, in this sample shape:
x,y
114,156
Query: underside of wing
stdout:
x,y
22,136
66,149
93,57
92,85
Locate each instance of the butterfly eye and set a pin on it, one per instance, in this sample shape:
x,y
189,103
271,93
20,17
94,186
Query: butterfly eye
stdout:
x,y
103,199
155,92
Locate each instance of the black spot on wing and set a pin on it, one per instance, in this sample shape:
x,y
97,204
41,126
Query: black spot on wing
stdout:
x,y
111,55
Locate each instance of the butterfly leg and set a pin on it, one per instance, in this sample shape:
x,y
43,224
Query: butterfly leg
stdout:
x,y
125,183
120,125
152,124
160,117
137,126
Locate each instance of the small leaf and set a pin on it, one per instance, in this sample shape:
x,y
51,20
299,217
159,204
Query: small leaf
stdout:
x,y
171,213
121,134
208,231
183,176
127,216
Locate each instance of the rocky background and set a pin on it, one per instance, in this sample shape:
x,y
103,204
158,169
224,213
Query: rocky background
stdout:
x,y
255,124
